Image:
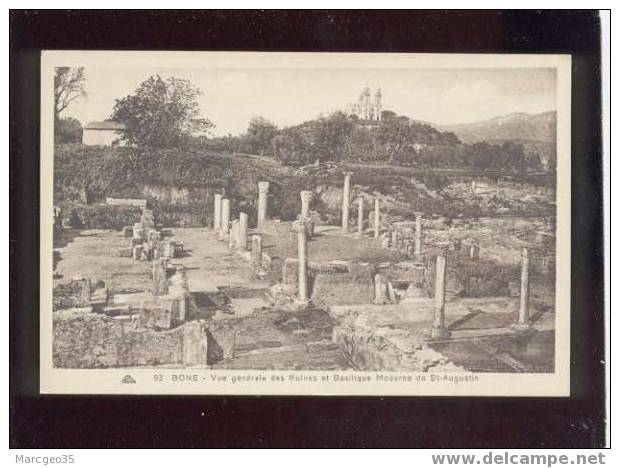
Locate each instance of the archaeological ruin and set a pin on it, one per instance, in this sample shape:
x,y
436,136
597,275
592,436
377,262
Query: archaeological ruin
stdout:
x,y
251,291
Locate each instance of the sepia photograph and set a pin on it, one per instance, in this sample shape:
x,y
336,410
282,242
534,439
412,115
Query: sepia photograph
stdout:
x,y
325,223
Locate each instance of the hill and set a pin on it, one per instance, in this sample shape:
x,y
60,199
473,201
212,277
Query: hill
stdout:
x,y
514,127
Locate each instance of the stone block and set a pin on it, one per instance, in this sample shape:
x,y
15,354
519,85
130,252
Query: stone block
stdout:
x,y
137,252
195,343
266,261
147,219
155,317
126,252
289,271
407,271
76,293
342,288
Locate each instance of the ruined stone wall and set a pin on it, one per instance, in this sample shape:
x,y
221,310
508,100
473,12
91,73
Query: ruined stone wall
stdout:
x,y
387,350
281,229
76,293
90,340
83,339
343,288
139,202
150,348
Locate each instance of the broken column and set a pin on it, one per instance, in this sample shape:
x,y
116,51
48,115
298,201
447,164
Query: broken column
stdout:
x,y
360,216
179,288
381,290
225,220
474,252
439,330
257,250
377,219
302,262
346,189
160,278
217,212
243,231
263,191
523,323
418,233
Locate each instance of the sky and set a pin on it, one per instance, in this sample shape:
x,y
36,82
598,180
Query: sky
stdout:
x,y
288,96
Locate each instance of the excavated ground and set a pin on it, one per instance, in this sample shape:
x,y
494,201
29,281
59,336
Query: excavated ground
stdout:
x,y
268,338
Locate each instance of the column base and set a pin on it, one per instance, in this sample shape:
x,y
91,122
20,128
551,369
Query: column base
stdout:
x,y
521,327
299,304
439,333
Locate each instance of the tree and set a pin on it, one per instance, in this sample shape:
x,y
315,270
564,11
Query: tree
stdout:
x,y
394,133
68,130
260,133
332,137
68,87
388,114
290,148
161,113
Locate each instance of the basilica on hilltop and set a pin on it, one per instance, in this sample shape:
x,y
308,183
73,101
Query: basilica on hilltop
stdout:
x,y
367,107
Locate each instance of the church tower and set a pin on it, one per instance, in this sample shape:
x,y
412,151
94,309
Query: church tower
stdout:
x,y
378,104
368,106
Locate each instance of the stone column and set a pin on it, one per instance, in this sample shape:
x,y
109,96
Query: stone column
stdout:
x,y
160,279
381,290
263,191
523,323
360,216
179,288
257,250
377,219
302,261
243,231
346,192
474,252
217,212
439,330
225,220
418,233
306,196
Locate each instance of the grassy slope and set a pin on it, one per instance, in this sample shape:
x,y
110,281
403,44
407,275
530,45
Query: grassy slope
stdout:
x,y
123,173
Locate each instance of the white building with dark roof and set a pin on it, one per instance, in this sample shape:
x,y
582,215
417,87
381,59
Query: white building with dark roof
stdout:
x,y
105,133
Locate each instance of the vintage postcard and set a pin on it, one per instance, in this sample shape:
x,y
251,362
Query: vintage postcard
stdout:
x,y
305,224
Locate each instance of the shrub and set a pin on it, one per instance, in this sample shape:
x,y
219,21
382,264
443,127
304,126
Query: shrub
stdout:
x,y
197,214
103,217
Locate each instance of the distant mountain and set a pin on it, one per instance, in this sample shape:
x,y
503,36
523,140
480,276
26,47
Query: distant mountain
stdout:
x,y
515,127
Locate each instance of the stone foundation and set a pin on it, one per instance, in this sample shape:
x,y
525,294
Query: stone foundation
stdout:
x,y
342,288
389,350
83,339
90,340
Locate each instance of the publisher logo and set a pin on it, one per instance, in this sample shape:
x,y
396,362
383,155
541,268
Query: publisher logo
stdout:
x,y
128,379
